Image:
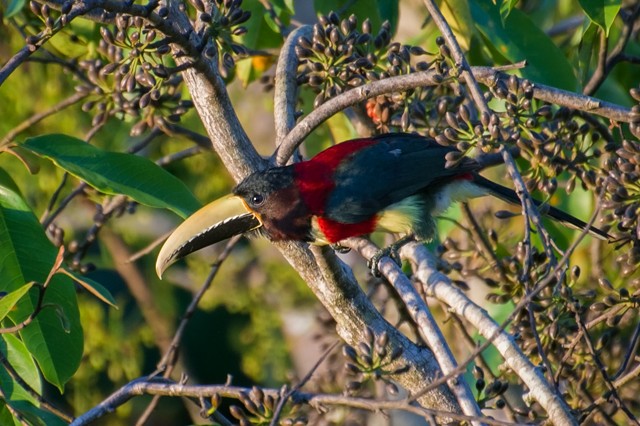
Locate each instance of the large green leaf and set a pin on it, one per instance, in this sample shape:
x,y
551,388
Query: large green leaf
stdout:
x,y
6,418
116,173
601,12
23,363
54,337
520,39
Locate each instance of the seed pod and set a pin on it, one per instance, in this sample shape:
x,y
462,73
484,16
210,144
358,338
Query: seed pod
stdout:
x,y
401,370
514,83
366,26
353,385
351,368
364,348
145,100
350,353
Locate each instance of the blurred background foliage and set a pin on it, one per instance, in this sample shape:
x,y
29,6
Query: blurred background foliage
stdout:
x,y
240,328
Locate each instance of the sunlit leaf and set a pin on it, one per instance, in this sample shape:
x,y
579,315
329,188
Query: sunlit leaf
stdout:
x,y
92,286
458,15
57,349
506,7
601,12
116,173
8,301
520,39
24,365
13,8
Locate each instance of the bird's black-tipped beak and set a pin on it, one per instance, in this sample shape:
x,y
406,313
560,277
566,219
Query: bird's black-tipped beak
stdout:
x,y
217,221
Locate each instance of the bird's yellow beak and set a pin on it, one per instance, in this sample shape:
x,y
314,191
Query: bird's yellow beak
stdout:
x,y
217,221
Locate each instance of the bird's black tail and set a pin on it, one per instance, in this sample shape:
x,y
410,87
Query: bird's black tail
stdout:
x,y
510,196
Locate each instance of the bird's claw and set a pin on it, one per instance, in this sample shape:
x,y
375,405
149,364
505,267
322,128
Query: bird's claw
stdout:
x,y
340,249
392,251
374,263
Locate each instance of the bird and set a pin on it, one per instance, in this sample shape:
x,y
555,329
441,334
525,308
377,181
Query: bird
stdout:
x,y
394,182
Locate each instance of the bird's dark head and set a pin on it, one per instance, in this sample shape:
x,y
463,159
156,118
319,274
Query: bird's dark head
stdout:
x,y
261,189
268,201
274,197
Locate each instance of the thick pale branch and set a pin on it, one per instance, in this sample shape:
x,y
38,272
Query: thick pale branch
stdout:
x,y
438,285
286,84
421,315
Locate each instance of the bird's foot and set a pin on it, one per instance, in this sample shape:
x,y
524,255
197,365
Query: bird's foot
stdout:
x,y
392,251
340,249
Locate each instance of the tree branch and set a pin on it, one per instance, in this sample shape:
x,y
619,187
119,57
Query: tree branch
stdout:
x,y
438,285
144,386
486,75
286,84
421,316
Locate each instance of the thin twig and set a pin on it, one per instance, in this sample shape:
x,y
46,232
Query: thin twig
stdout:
x,y
168,361
458,56
164,387
601,367
36,118
284,398
607,62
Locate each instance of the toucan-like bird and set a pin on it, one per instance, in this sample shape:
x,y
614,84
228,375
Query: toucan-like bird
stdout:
x,y
394,183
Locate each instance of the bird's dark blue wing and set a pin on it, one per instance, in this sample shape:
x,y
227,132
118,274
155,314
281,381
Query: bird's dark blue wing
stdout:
x,y
395,167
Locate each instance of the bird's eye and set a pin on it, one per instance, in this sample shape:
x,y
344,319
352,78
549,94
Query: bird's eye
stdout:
x,y
256,199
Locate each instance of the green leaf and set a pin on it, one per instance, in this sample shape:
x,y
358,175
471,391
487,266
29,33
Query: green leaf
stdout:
x,y
92,286
6,418
520,39
586,51
13,8
116,173
341,128
56,343
8,302
506,7
23,363
36,416
260,35
458,15
56,350
389,10
601,12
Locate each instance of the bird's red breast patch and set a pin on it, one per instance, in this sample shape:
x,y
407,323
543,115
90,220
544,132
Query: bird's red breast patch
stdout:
x,y
334,231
